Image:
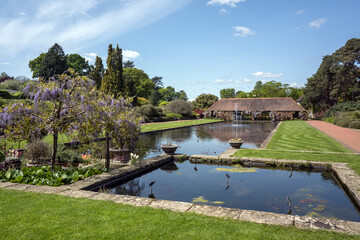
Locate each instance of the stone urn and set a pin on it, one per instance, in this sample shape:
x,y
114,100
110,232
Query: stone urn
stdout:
x,y
120,155
236,143
169,148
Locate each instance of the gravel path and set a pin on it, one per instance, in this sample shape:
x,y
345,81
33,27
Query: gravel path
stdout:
x,y
350,138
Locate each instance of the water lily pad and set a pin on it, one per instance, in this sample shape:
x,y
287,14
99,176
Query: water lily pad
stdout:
x,y
321,205
218,202
304,189
312,214
178,173
236,169
323,201
318,209
309,195
200,199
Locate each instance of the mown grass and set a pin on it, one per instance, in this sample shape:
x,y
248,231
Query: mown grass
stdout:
x,y
176,124
300,136
63,138
27,215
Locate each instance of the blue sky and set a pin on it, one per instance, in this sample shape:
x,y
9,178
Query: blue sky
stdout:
x,y
200,46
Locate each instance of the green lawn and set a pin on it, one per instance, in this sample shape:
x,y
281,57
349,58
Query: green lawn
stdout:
x,y
175,124
63,138
299,135
27,215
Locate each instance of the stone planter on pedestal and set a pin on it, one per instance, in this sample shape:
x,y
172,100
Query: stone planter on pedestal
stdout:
x,y
169,148
236,143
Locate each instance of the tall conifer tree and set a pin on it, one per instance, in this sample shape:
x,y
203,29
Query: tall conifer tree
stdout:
x,y
98,73
112,82
53,63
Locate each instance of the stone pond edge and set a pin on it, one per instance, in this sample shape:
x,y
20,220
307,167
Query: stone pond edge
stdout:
x,y
349,180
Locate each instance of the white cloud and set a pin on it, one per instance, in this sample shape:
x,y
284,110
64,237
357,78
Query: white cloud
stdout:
x,y
130,55
241,31
231,3
90,57
22,13
317,23
300,12
224,11
4,63
223,81
228,81
75,24
267,74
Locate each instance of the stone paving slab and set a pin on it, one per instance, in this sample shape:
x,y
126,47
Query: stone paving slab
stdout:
x,y
266,217
78,194
103,196
132,200
171,205
6,184
215,211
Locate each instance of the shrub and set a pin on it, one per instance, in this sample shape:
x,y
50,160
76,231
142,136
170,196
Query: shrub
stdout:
x,y
5,94
342,107
38,151
355,125
67,155
329,120
174,116
343,123
180,107
147,110
356,115
12,84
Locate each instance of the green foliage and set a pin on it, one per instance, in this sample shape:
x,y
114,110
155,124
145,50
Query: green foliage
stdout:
x,y
113,81
38,151
149,111
129,64
355,125
35,65
356,115
183,95
204,101
270,89
53,63
12,84
5,95
336,80
342,107
174,116
2,156
45,176
154,97
329,120
64,154
137,83
343,119
169,94
180,107
78,63
98,72
227,93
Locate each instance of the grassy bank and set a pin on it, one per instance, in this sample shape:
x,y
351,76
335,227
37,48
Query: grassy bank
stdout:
x,y
300,136
63,138
27,215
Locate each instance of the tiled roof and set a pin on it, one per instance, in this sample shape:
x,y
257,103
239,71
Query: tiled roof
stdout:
x,y
256,104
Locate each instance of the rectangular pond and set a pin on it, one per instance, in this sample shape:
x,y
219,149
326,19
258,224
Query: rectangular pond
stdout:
x,y
209,139
315,194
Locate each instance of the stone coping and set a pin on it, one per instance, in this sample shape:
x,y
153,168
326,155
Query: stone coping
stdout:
x,y
347,176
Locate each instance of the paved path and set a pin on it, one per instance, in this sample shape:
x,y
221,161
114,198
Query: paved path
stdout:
x,y
350,138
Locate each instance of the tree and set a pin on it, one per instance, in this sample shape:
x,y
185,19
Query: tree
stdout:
x,y
227,93
204,101
112,82
98,72
59,106
78,63
53,63
241,94
183,95
4,77
180,107
154,97
35,65
137,83
129,64
158,82
336,80
169,94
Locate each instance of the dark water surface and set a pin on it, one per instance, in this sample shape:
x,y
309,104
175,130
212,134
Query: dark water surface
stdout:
x,y
210,139
310,193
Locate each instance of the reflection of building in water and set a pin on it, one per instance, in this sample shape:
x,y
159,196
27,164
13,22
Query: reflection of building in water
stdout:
x,y
250,132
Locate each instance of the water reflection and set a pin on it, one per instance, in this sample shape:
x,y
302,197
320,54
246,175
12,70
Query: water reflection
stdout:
x,y
211,139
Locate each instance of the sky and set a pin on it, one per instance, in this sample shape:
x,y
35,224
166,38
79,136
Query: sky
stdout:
x,y
199,46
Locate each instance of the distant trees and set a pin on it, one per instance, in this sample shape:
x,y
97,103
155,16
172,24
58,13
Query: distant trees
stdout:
x,y
129,64
227,93
336,80
55,62
204,101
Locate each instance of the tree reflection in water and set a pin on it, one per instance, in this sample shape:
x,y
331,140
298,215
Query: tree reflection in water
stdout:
x,y
132,188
